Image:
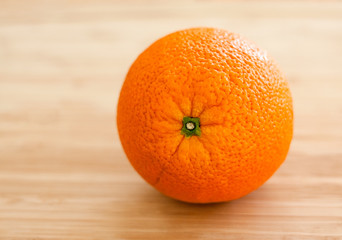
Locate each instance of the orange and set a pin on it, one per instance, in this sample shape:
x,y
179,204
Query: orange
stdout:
x,y
205,116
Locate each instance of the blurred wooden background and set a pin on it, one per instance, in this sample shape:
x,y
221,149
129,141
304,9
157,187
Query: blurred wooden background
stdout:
x,y
63,173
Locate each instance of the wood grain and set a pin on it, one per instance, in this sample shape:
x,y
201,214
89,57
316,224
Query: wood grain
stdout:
x,y
63,173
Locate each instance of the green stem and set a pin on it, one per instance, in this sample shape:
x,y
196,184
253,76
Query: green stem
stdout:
x,y
191,127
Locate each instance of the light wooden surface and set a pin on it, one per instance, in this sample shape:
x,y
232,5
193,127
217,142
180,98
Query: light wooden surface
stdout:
x,y
63,173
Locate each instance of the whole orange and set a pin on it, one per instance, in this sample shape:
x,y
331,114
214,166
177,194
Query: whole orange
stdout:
x,y
205,116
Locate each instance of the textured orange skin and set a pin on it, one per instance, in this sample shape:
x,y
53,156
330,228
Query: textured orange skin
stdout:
x,y
243,102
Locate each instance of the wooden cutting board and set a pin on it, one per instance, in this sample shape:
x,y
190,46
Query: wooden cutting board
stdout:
x,y
63,173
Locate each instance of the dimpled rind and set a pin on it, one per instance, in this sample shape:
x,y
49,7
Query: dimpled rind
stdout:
x,y
238,93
